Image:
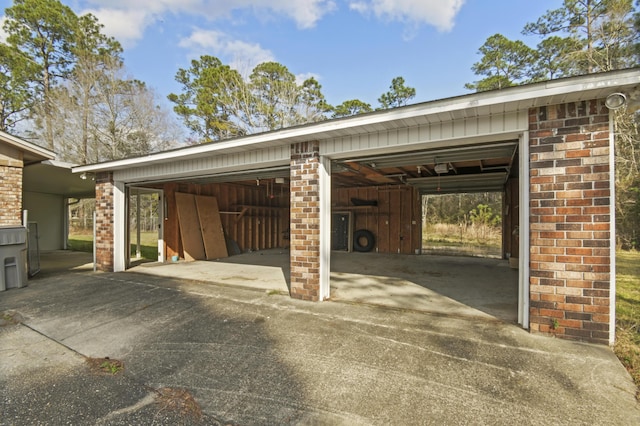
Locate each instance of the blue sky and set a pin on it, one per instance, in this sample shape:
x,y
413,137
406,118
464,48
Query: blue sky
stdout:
x,y
354,48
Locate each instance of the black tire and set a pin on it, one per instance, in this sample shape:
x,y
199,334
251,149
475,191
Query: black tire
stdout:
x,y
361,234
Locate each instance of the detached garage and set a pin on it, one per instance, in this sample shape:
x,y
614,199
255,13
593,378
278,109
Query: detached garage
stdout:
x,y
548,147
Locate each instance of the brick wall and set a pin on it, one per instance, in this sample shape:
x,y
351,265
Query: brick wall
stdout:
x,y
10,194
305,221
570,221
104,221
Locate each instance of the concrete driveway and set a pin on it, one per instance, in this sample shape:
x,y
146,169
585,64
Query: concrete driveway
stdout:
x,y
249,357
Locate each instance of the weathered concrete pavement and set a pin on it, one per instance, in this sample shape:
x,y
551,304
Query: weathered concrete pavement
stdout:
x,y
252,358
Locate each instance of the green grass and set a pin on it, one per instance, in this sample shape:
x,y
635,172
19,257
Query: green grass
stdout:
x,y
148,244
468,241
627,346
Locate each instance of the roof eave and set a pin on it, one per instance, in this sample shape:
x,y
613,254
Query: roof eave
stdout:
x,y
480,103
36,151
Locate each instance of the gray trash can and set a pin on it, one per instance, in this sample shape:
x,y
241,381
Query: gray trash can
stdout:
x,y
13,257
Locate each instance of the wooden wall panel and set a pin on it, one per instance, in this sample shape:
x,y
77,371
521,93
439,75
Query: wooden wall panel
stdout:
x,y
189,227
171,230
395,207
260,227
510,219
395,221
264,225
212,233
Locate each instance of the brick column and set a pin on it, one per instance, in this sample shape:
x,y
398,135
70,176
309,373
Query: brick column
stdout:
x,y
10,192
305,221
570,221
104,221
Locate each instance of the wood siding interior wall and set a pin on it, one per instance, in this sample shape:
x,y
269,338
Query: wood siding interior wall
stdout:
x,y
255,221
395,221
510,219
249,216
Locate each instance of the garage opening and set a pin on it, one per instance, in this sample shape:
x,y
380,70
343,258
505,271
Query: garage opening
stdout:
x,y
145,230
465,224
377,225
421,208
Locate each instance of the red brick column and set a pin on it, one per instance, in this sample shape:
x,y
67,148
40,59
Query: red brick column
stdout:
x,y
570,221
305,221
104,221
10,193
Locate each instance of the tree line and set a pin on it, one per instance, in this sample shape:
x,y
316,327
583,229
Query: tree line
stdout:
x,y
63,85
580,37
217,102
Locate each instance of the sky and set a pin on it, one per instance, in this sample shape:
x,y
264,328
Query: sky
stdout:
x,y
354,48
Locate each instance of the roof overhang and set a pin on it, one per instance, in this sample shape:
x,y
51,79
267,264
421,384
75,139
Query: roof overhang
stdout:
x,y
517,98
56,178
32,153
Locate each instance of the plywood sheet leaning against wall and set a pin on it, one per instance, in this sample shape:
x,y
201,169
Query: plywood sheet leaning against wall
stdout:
x,y
211,226
189,223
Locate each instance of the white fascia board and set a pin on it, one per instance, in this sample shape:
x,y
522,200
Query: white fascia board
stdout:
x,y
511,98
23,145
61,164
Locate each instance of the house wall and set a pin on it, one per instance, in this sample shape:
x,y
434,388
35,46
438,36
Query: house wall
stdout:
x,y
570,221
255,217
395,221
47,210
10,186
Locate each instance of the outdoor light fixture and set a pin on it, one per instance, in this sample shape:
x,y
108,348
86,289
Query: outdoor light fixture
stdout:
x,y
441,168
616,100
83,176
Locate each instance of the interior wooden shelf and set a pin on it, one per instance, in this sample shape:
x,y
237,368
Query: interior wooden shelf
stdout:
x,y
347,208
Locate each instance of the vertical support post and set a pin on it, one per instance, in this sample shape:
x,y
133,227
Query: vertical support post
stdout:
x,y
104,222
612,221
324,172
95,258
138,251
121,249
572,257
161,213
523,233
305,221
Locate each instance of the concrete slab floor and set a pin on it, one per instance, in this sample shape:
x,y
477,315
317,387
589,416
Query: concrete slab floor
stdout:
x,y
467,286
253,358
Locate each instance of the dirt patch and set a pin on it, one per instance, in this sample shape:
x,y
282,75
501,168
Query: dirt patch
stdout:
x,y
106,366
10,318
179,401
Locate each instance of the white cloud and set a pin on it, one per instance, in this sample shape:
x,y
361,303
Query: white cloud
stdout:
x,y
238,54
301,78
126,20
125,26
439,13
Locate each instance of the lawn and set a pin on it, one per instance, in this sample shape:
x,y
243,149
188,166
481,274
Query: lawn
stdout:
x,y
470,240
627,346
148,244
